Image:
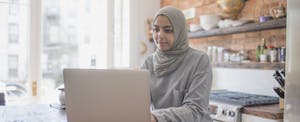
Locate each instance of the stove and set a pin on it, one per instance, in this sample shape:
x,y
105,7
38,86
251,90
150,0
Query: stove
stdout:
x,y
226,105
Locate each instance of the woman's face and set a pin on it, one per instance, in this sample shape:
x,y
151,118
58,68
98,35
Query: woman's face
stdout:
x,y
163,33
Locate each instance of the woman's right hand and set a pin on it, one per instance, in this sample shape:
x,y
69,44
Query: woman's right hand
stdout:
x,y
153,119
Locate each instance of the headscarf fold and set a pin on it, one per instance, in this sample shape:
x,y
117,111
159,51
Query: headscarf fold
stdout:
x,y
165,62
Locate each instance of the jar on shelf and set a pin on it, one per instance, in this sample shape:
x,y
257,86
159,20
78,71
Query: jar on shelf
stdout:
x,y
214,53
209,52
220,54
273,55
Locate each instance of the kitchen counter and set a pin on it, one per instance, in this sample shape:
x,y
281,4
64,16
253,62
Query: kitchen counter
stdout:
x,y
265,111
39,112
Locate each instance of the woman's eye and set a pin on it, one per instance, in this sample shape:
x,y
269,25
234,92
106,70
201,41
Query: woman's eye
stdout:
x,y
168,30
155,29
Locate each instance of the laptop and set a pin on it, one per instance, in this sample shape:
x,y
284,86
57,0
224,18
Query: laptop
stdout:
x,y
99,95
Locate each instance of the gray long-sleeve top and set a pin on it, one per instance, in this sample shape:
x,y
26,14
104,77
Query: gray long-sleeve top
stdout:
x,y
183,95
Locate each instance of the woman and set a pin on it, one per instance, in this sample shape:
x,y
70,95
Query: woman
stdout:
x,y
180,76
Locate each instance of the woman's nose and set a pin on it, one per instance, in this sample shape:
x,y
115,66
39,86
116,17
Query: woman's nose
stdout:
x,y
161,34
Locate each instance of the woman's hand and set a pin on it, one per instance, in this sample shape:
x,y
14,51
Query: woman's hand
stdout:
x,y
153,119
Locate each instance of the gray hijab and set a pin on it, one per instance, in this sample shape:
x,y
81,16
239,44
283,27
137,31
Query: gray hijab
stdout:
x,y
165,62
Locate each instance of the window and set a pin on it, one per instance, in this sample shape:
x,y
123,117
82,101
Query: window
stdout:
x,y
14,41
13,66
72,38
13,8
77,34
121,34
13,33
74,34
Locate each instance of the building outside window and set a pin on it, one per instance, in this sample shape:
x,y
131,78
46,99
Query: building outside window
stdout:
x,y
13,8
72,37
13,61
13,33
14,41
75,34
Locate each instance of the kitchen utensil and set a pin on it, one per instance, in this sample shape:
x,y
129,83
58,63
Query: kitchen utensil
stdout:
x,y
280,74
279,80
279,91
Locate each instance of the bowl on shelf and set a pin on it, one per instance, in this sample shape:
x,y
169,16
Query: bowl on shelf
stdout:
x,y
209,21
194,27
231,7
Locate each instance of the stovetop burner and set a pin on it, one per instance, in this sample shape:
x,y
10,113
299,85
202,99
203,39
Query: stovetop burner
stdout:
x,y
242,99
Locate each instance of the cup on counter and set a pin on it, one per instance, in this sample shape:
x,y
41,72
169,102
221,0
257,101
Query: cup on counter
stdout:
x,y
61,97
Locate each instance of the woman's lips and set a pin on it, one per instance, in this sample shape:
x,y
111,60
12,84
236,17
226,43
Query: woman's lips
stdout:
x,y
162,43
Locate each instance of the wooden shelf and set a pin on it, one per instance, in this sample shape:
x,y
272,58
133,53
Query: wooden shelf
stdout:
x,y
250,65
272,24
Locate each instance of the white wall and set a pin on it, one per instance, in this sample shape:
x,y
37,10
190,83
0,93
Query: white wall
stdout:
x,y
140,10
245,80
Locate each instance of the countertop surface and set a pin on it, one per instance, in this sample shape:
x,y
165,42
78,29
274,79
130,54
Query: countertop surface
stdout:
x,y
31,113
45,113
266,111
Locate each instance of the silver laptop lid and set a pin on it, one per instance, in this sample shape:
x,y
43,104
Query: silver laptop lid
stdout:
x,y
98,95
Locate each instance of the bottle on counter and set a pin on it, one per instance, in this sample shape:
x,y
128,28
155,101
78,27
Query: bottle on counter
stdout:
x,y
263,51
278,49
282,54
257,53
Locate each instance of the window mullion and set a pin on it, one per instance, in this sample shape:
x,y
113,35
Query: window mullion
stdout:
x,y
110,34
35,40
